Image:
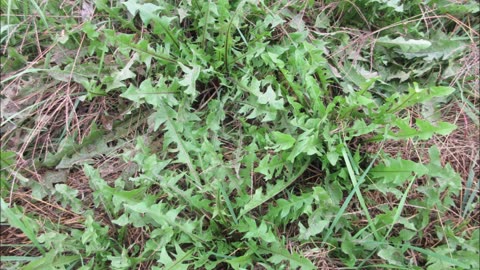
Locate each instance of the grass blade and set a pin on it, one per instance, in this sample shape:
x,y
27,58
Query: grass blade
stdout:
x,y
358,193
227,36
204,34
228,203
400,206
40,12
9,11
168,32
17,258
347,200
395,218
470,191
26,71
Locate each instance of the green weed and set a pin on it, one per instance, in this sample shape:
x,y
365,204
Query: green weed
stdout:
x,y
239,135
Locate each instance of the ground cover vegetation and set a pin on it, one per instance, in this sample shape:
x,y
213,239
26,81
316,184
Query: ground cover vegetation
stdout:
x,y
239,134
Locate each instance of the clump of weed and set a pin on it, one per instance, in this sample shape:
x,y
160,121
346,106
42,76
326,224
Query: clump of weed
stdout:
x,y
218,135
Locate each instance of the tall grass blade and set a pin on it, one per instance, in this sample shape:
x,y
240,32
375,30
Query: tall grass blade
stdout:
x,y
347,200
40,12
359,193
470,191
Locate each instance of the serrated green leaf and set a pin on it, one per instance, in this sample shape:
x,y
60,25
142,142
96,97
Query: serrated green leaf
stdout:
x,y
167,115
263,231
410,45
259,198
148,11
115,81
69,197
190,78
284,211
21,222
441,91
280,254
316,224
269,166
445,175
283,141
425,130
270,97
438,258
180,258
442,48
397,171
87,154
306,143
273,20
123,220
150,94
391,255
51,261
333,157
121,262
